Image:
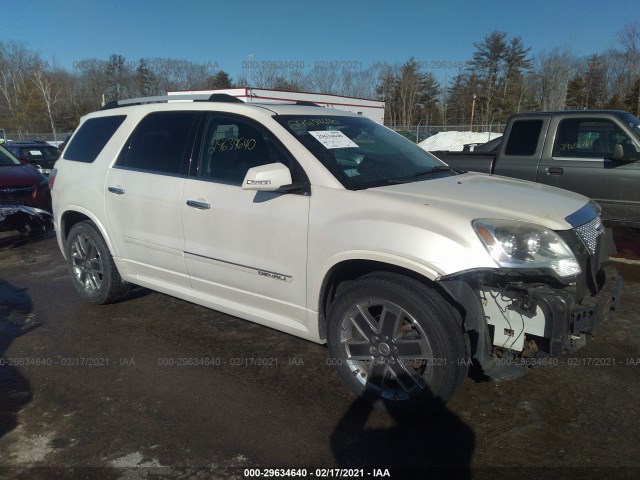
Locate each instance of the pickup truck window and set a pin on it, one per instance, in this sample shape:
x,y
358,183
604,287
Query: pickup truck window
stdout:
x,y
587,137
523,139
361,153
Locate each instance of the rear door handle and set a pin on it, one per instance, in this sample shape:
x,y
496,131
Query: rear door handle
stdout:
x,y
554,171
198,205
116,190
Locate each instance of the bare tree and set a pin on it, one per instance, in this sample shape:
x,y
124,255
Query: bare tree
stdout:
x,y
554,69
324,78
48,90
629,39
15,65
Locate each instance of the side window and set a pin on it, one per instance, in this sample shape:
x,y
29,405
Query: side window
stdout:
x,y
160,143
233,145
91,138
523,138
589,138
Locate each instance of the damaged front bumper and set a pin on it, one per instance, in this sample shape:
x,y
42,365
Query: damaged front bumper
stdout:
x,y
511,315
571,319
26,221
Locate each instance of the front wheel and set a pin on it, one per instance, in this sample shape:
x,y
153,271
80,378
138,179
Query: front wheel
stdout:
x,y
395,340
93,272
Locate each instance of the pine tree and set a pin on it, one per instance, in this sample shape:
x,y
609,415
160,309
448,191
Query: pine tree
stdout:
x,y
516,61
115,77
220,80
576,94
487,63
595,80
144,79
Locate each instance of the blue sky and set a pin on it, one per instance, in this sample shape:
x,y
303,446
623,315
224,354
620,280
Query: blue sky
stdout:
x,y
225,33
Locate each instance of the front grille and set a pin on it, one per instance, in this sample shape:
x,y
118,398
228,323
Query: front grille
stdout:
x,y
9,195
590,234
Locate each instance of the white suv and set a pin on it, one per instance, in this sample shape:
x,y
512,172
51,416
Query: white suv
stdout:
x,y
330,227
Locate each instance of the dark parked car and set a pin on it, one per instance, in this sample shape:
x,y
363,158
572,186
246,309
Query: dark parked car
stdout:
x,y
21,183
64,142
38,153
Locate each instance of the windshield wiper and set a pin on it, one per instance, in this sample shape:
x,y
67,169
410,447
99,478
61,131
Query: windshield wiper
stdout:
x,y
436,169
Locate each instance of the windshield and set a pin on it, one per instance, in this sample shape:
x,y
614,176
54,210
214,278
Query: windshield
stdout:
x,y
6,159
632,122
361,153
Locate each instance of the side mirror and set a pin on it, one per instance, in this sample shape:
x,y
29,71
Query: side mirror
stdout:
x,y
267,178
625,152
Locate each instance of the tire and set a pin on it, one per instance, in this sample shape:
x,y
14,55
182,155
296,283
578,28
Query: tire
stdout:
x,y
93,272
396,342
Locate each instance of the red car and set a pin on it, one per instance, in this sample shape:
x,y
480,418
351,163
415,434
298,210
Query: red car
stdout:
x,y
22,184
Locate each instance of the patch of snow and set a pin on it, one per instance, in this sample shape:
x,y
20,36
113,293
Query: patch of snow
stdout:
x,y
28,450
454,141
134,459
134,466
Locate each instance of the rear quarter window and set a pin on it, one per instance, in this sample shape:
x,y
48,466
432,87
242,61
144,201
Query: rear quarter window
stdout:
x,y
160,143
523,138
91,138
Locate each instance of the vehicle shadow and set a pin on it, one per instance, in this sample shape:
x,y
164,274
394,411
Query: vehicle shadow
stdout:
x,y
15,389
627,242
425,444
13,239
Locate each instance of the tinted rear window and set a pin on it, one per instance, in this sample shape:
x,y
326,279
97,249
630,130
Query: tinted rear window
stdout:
x,y
91,138
523,138
160,143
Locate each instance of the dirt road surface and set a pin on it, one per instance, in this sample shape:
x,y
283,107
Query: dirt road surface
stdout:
x,y
155,387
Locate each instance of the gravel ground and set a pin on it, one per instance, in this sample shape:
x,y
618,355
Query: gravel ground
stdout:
x,y
112,392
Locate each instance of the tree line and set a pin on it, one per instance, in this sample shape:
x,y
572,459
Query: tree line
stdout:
x,y
501,78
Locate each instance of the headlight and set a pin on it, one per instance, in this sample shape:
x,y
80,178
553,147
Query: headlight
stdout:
x,y
515,244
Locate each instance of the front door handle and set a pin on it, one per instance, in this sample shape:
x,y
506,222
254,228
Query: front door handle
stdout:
x,y
116,190
198,205
554,171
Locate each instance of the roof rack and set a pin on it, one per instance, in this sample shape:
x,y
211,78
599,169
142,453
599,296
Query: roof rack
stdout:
x,y
221,97
307,103
193,97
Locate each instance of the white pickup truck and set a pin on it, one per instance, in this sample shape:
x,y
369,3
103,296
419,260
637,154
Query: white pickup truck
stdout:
x,y
328,226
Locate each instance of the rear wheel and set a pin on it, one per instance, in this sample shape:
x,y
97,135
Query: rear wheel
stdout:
x,y
397,342
93,272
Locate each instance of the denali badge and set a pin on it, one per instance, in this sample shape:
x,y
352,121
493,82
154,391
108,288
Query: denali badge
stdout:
x,y
277,276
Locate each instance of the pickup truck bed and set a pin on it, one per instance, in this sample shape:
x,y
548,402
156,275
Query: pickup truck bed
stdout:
x,y
473,161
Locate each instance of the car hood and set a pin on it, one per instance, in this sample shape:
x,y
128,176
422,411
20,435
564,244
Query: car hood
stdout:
x,y
475,195
18,175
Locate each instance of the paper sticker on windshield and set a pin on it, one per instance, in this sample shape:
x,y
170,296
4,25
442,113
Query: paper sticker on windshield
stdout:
x,y
35,152
333,139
